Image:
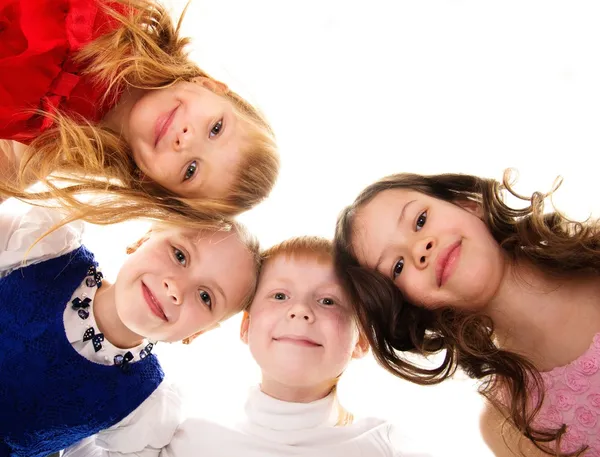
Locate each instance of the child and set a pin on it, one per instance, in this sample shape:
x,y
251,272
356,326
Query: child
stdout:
x,y
300,332
512,295
106,90
76,351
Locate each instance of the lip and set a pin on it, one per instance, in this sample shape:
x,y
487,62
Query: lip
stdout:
x,y
446,262
297,340
153,303
162,125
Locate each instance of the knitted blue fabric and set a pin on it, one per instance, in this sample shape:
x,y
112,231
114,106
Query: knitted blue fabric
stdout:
x,y
50,396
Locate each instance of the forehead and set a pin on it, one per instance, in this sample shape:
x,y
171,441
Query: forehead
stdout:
x,y
301,269
224,246
376,222
199,236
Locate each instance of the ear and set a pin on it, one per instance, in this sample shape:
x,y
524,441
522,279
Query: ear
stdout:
x,y
191,338
362,347
471,206
212,84
244,327
135,246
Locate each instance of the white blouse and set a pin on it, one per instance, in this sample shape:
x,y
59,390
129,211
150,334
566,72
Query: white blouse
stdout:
x,y
151,426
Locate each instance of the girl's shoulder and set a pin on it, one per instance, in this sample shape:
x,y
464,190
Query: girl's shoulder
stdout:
x,y
22,225
37,42
503,439
571,397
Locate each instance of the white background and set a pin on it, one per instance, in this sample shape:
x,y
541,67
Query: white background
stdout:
x,y
357,90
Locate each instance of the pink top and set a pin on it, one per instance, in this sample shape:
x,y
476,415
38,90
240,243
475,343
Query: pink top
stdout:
x,y
573,398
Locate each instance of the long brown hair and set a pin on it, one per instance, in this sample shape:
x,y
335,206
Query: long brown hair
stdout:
x,y
147,52
394,326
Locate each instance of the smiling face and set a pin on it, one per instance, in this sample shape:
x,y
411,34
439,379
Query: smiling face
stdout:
x,y
180,282
300,328
187,138
437,253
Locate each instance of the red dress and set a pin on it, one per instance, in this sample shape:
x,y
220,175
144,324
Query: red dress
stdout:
x,y
37,41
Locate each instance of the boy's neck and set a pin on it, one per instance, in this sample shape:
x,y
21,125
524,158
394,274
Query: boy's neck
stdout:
x,y
296,394
536,314
105,313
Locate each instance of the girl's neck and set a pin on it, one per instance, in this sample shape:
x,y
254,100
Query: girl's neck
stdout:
x,y
549,319
296,394
105,313
116,118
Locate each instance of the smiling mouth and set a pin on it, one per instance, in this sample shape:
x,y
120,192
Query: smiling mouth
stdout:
x,y
447,262
162,125
298,341
153,303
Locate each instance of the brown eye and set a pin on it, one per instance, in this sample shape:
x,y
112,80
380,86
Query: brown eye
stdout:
x,y
421,220
398,267
179,256
216,129
280,296
206,299
191,171
327,301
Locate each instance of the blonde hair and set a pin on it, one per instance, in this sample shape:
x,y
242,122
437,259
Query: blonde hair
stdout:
x,y
144,52
321,250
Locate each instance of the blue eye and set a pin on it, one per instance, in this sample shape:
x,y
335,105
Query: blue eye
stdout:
x,y
179,256
279,296
327,301
399,265
191,171
206,299
217,128
421,221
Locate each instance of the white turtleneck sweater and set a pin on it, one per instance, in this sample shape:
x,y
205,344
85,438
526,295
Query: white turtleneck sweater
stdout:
x,y
275,428
272,427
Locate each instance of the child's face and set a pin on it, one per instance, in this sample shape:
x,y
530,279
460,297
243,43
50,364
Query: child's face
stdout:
x,y
299,329
187,138
436,252
180,282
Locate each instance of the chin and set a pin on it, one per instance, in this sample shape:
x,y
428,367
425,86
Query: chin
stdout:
x,y
294,376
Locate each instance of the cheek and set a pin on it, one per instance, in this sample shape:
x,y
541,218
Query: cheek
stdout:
x,y
258,341
193,319
341,334
259,328
416,288
139,156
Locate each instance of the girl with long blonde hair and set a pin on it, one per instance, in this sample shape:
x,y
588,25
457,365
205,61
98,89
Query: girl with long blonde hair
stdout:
x,y
77,350
100,98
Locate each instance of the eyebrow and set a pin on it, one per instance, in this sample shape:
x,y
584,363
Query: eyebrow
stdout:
x,y
399,220
277,281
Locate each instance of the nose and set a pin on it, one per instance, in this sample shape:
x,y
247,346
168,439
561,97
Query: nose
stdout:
x,y
173,291
302,312
183,138
422,252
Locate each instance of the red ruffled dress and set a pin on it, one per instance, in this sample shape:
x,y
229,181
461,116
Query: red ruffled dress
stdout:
x,y
38,39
